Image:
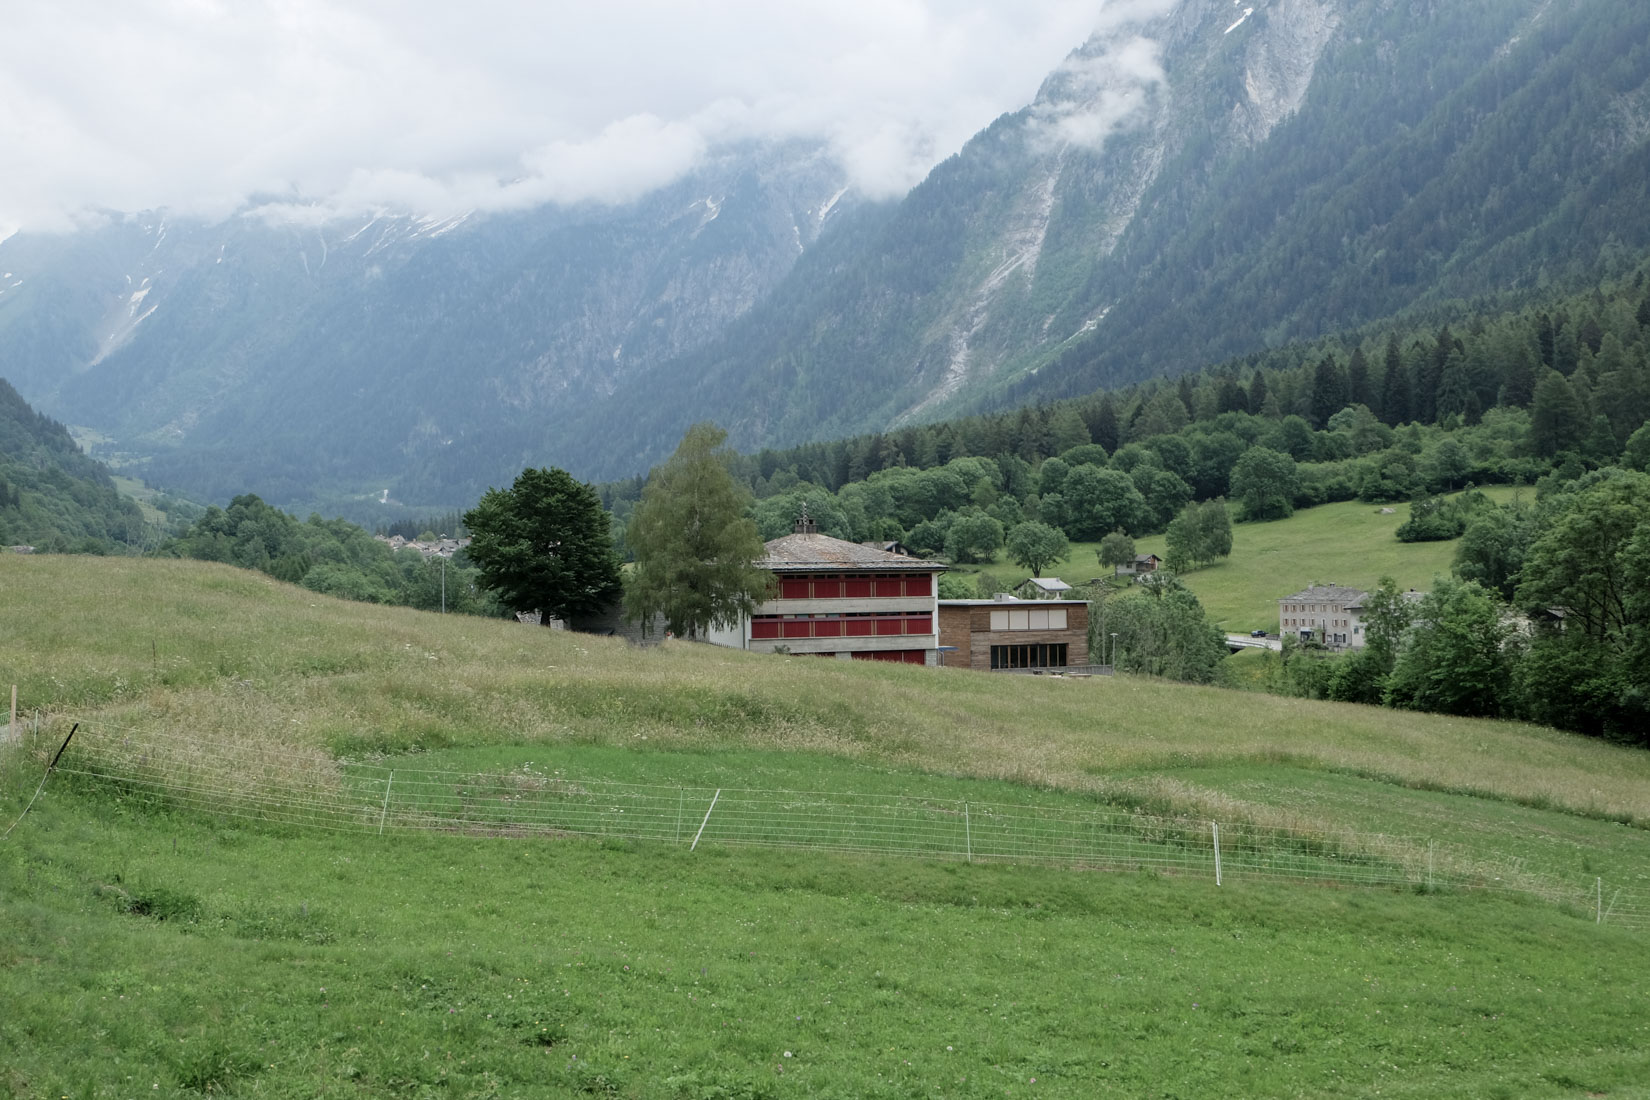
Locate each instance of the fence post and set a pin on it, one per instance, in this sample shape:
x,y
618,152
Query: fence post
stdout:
x,y
968,835
1598,900
1214,827
1430,844
705,822
679,795
385,811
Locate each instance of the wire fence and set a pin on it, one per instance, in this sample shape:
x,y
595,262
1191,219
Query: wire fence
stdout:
x,y
252,779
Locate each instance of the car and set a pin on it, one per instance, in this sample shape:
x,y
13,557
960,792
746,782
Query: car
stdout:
x,y
1257,634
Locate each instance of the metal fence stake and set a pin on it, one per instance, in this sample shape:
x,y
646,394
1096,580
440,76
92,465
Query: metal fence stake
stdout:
x,y
385,811
705,822
1598,900
1214,827
968,835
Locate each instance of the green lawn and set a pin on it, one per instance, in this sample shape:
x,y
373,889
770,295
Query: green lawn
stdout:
x,y
1349,543
173,955
147,949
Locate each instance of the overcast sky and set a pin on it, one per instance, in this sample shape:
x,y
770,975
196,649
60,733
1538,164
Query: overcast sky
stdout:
x,y
436,106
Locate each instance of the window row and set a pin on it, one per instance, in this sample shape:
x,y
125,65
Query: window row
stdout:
x,y
1051,655
839,626
856,586
1046,618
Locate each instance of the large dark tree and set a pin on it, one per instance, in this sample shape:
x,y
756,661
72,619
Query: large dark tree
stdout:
x,y
544,545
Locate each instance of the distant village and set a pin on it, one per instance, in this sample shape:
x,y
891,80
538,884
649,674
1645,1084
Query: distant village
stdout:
x,y
442,547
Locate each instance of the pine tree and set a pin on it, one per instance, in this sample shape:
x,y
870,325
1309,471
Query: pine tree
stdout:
x,y
1329,391
1357,380
1257,394
1394,387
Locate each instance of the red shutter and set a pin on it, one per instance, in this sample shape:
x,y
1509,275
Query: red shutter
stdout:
x,y
827,628
919,624
858,588
919,586
764,628
858,628
796,628
796,589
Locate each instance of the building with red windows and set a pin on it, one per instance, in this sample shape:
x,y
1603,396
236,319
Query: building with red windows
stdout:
x,y
843,599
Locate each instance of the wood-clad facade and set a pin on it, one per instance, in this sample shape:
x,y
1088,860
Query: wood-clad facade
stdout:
x,y
988,635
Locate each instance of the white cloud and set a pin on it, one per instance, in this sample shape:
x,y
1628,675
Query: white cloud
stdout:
x,y
1102,93
202,106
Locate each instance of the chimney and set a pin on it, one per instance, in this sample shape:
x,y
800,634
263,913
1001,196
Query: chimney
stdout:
x,y
805,524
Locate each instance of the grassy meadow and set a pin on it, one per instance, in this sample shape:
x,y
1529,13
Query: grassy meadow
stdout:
x,y
1350,543
149,949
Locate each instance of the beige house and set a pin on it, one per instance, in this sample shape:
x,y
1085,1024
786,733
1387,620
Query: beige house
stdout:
x,y
1329,614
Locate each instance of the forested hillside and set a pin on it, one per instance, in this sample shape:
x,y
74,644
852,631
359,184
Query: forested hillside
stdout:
x,y
1315,169
53,497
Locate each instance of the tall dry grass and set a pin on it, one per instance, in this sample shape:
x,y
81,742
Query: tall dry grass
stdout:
x,y
224,656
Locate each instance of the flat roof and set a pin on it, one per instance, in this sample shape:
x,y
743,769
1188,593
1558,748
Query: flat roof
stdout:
x,y
1008,603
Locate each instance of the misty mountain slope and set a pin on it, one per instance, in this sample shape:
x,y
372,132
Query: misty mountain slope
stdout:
x,y
1312,167
299,361
1200,180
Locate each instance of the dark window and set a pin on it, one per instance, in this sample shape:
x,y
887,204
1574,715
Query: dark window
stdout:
x,y
1037,655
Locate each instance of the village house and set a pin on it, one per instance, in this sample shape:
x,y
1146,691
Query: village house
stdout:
x,y
1329,614
842,599
1142,564
1009,634
1043,588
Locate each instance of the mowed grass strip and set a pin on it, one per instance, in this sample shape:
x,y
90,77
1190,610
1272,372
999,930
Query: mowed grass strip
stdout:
x,y
169,954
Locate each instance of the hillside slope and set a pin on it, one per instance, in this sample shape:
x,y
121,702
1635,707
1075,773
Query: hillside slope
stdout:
x,y
1308,168
52,496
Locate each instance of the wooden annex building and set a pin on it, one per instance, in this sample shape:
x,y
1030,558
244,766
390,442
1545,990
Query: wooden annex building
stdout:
x,y
1008,634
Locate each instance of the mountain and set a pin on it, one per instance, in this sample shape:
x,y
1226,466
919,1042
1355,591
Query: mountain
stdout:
x,y
1201,180
1269,173
414,357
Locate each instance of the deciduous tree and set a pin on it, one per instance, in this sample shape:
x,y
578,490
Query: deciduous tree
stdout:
x,y
696,552
1034,545
544,545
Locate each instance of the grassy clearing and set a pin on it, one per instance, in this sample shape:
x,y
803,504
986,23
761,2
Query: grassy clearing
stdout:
x,y
172,955
1350,543
237,658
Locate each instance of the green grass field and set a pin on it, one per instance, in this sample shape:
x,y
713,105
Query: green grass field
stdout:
x,y
1349,543
149,949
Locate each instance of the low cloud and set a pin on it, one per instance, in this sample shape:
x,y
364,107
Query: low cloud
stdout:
x,y
312,107
1100,94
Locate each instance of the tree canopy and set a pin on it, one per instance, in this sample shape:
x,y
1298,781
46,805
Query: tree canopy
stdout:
x,y
544,545
696,551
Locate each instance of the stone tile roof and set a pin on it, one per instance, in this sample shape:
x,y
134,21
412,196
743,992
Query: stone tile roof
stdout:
x,y
1327,593
822,553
